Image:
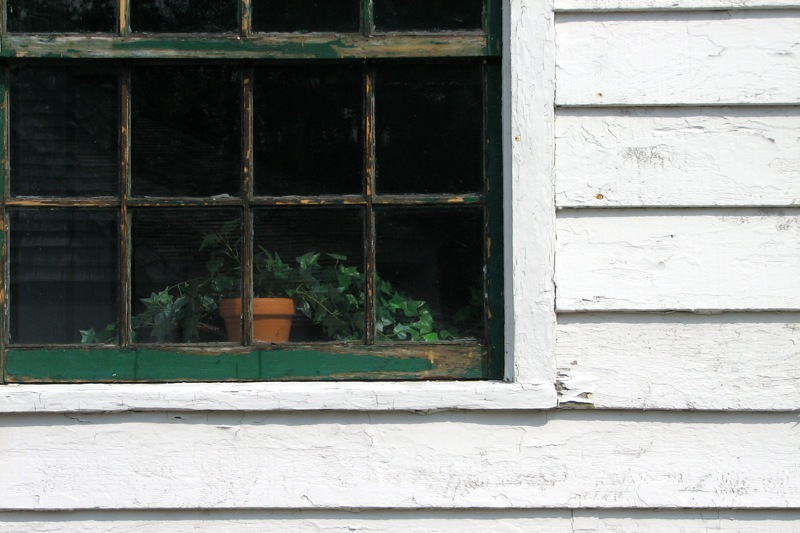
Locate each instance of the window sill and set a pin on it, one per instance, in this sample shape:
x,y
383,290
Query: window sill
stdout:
x,y
306,396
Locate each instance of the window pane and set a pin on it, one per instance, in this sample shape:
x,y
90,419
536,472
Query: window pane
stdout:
x,y
56,16
182,16
434,255
64,124
428,15
428,121
64,265
308,129
175,252
306,16
319,255
187,131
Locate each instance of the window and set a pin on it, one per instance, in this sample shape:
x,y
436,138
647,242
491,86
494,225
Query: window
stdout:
x,y
168,163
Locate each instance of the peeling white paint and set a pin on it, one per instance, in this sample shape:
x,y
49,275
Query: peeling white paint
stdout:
x,y
687,58
678,157
734,362
668,260
385,457
454,460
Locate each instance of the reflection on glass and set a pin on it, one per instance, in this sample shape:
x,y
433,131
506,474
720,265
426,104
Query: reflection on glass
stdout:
x,y
306,16
316,257
428,15
64,124
429,128
182,16
184,262
186,122
56,16
308,129
432,255
63,274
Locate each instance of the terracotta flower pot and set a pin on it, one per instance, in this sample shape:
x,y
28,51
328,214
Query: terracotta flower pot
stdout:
x,y
272,318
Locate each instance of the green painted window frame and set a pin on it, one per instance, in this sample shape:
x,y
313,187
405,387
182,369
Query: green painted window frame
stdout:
x,y
130,362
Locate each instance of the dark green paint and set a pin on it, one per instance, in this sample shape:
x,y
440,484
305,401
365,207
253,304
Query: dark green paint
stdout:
x,y
3,221
302,47
494,170
143,364
3,115
494,27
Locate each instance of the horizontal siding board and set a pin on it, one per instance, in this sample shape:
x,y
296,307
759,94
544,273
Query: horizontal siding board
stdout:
x,y
680,361
394,521
639,157
690,58
665,260
577,459
675,5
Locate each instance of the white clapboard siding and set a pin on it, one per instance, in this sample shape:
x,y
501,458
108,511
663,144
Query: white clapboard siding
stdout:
x,y
699,260
638,157
416,521
676,5
534,459
680,361
751,57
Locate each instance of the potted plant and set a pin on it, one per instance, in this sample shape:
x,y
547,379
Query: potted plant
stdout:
x,y
322,287
273,309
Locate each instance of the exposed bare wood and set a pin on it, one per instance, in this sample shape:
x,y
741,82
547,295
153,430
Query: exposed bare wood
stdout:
x,y
369,193
21,201
255,47
125,254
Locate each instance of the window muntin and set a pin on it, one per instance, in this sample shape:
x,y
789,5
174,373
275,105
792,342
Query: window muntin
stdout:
x,y
256,199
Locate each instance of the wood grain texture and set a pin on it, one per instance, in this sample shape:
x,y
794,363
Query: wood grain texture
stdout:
x,y
399,521
678,58
696,260
672,5
736,362
444,460
672,157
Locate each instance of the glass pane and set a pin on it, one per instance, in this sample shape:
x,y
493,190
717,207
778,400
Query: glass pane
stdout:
x,y
306,16
183,16
428,120
187,130
316,257
309,129
64,274
184,262
57,16
431,255
428,15
64,130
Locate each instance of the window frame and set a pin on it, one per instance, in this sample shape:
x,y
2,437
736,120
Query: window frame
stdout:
x,y
529,367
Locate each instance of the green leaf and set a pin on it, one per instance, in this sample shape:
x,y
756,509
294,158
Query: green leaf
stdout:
x,y
210,241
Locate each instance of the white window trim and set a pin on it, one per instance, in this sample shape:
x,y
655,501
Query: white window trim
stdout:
x,y
529,231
